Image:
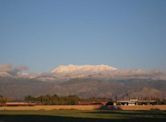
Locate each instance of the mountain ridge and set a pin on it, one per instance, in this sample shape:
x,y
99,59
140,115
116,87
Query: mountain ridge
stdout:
x,y
83,87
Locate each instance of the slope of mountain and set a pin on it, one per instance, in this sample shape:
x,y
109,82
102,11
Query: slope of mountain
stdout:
x,y
83,87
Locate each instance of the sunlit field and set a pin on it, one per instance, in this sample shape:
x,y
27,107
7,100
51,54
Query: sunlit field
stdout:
x,y
82,116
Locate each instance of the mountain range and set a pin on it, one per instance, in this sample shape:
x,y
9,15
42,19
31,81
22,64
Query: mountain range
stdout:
x,y
84,81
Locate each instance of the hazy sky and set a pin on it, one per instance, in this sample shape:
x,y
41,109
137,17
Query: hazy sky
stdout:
x,y
42,34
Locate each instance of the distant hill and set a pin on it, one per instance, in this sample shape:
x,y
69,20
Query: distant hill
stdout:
x,y
83,87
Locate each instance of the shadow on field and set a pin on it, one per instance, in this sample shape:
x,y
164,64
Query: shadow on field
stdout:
x,y
159,114
135,116
41,118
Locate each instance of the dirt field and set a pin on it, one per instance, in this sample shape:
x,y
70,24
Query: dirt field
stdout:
x,y
83,107
52,107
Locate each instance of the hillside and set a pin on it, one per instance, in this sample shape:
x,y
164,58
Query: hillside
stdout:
x,y
83,87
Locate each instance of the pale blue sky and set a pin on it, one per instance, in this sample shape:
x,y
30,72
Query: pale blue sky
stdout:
x,y
43,34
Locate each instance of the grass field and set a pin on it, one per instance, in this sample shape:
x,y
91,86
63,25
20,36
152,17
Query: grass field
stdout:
x,y
82,116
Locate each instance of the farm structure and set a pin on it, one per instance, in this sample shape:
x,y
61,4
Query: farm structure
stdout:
x,y
132,102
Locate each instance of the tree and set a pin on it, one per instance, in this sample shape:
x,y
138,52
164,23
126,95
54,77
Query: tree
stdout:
x,y
29,98
3,100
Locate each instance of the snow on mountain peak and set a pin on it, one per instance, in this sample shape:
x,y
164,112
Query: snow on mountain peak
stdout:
x,y
82,68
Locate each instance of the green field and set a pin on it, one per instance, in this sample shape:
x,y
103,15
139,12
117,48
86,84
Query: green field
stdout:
x,y
82,116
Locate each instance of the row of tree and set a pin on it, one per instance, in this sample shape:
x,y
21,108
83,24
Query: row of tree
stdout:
x,y
73,100
54,100
64,100
69,100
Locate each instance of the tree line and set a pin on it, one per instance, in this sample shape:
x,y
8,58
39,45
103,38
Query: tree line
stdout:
x,y
53,100
63,100
69,100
